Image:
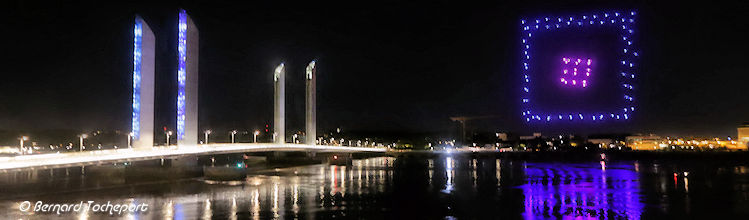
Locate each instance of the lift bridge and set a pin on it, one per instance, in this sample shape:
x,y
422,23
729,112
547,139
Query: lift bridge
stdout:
x,y
142,129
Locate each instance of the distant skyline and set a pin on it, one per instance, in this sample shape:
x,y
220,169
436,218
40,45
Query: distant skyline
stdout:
x,y
382,66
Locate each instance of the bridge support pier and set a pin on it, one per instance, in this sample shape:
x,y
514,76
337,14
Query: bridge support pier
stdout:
x,y
277,155
186,165
343,159
111,174
224,173
292,158
170,169
311,154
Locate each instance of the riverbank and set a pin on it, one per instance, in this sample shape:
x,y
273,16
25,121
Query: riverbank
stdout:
x,y
583,155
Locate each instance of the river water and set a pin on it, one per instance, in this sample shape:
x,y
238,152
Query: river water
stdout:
x,y
443,187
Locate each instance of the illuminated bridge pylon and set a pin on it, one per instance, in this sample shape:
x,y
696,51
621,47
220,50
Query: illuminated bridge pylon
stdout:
x,y
143,84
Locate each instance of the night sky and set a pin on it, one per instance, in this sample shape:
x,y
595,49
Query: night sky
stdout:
x,y
382,65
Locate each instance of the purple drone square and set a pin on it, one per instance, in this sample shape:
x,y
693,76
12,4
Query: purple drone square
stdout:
x,y
579,67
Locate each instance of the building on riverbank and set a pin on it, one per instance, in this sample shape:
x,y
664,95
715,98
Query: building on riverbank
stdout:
x,y
645,142
655,142
743,135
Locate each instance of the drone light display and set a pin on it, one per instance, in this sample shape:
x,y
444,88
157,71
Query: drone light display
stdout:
x,y
575,72
579,67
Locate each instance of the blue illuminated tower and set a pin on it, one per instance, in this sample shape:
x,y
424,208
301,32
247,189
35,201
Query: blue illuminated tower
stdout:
x,y
187,81
143,84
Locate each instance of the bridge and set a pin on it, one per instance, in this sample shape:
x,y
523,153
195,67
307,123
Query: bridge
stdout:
x,y
102,157
142,133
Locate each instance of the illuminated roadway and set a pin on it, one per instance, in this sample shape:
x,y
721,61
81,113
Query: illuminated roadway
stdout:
x,y
61,160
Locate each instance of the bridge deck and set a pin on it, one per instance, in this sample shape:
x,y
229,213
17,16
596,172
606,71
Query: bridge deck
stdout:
x,y
61,160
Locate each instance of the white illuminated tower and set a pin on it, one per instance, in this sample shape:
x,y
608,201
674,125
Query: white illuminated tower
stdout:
x,y
311,113
143,84
187,81
279,107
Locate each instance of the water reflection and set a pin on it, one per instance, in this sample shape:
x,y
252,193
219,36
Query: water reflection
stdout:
x,y
450,173
207,213
255,204
498,172
414,188
573,191
299,192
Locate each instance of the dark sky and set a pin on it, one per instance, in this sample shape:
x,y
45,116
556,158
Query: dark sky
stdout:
x,y
382,65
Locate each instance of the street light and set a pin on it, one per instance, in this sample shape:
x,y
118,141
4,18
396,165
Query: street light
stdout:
x,y
232,135
82,136
206,132
254,138
168,134
22,138
129,139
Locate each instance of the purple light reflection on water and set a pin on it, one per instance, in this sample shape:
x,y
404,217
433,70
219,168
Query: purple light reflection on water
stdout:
x,y
581,191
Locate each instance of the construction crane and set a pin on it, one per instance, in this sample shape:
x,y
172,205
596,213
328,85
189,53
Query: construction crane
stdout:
x,y
464,119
